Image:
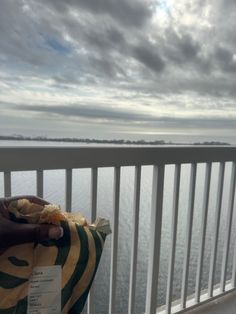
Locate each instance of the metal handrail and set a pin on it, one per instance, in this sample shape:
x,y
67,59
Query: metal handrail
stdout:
x,y
44,158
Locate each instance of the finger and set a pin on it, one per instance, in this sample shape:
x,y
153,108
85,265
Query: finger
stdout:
x,y
36,200
3,209
31,198
12,233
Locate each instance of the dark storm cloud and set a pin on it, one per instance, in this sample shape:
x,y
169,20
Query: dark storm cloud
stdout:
x,y
23,44
114,46
101,48
111,115
105,40
225,59
228,3
88,111
149,56
128,12
104,67
183,50
188,47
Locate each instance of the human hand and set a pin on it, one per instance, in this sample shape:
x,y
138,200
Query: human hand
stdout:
x,y
12,233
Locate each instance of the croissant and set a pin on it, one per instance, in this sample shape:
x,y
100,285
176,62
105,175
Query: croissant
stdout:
x,y
23,209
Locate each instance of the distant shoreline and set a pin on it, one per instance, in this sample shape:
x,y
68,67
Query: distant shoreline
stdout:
x,y
97,141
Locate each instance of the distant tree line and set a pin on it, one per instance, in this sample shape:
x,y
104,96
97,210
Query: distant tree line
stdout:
x,y
97,141
211,143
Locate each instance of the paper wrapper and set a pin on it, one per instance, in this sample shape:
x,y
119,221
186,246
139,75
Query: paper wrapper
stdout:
x,y
75,256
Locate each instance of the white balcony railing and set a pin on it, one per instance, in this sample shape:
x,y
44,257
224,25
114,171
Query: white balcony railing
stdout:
x,y
40,159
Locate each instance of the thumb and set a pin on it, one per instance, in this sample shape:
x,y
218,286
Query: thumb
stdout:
x,y
12,233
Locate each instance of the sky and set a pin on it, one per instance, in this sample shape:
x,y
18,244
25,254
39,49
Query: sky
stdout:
x,y
118,69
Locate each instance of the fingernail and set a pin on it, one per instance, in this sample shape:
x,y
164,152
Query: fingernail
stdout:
x,y
55,232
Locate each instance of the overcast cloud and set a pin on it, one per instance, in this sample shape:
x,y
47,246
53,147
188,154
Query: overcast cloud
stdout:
x,y
127,68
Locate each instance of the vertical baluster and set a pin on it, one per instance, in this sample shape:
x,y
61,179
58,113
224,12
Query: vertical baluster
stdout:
x,y
114,245
228,228
188,235
233,280
7,184
94,180
155,240
133,267
216,229
68,189
173,237
94,184
203,230
39,183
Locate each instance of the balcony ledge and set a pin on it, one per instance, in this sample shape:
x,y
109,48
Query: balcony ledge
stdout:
x,y
225,304
221,302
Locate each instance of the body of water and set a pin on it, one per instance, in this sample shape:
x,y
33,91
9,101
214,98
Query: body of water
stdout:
x,y
54,191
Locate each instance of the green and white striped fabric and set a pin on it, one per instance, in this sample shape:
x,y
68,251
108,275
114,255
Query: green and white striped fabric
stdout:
x,y
78,253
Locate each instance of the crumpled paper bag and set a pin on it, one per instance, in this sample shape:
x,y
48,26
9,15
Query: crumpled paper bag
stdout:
x,y
51,276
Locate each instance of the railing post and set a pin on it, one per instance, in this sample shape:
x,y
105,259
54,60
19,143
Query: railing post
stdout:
x,y
94,183
155,240
39,183
7,184
228,228
174,225
114,243
188,235
68,189
134,253
203,230
216,229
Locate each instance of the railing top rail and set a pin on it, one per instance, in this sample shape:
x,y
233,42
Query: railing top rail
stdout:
x,y
42,158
